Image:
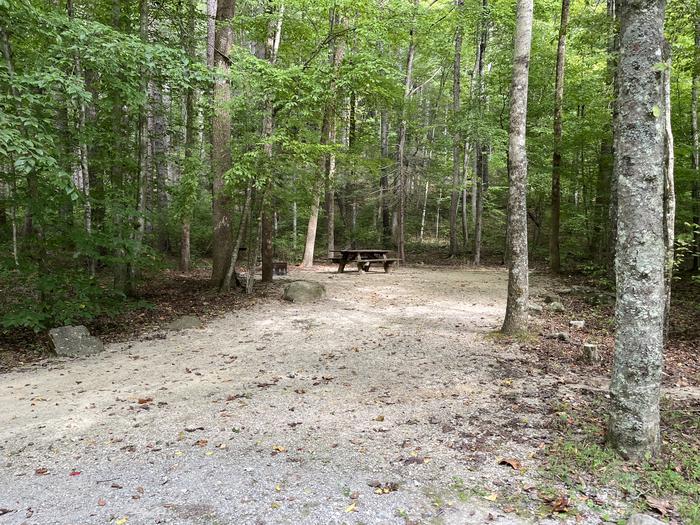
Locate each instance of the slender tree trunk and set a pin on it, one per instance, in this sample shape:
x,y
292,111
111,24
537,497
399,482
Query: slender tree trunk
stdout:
x,y
190,137
401,157
244,224
480,149
327,161
212,9
518,290
456,135
554,257
384,178
274,36
669,197
221,144
425,209
696,140
613,48
465,208
639,170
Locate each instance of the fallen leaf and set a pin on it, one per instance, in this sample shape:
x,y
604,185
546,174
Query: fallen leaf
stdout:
x,y
75,473
5,511
279,448
379,418
144,400
491,497
352,507
41,471
200,443
561,504
101,502
121,521
659,505
511,462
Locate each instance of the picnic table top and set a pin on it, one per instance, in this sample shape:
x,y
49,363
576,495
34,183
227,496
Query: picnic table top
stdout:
x,y
369,250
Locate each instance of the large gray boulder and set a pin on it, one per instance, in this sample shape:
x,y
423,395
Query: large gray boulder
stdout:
x,y
304,291
74,341
643,519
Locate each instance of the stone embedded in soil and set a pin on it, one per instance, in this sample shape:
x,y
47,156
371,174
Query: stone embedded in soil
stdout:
x,y
73,341
643,519
304,291
534,307
555,306
185,323
577,324
550,297
560,336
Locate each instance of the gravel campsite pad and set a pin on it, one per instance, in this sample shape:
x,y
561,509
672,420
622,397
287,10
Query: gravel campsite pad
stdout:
x,y
385,402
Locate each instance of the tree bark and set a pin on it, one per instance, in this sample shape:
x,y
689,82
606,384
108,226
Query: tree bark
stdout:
x,y
456,135
274,36
640,256
401,157
221,144
518,291
480,149
696,140
554,256
384,177
669,196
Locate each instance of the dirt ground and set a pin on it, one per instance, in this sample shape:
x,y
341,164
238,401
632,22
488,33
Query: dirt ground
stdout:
x,y
389,402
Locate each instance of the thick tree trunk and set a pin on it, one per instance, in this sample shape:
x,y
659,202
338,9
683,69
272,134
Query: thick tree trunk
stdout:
x,y
518,291
456,135
221,144
554,257
211,31
640,257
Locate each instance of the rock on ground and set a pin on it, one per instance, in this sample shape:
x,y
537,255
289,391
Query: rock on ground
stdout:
x,y
304,291
185,323
643,519
73,341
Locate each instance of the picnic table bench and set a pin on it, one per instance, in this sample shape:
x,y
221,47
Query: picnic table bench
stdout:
x,y
363,258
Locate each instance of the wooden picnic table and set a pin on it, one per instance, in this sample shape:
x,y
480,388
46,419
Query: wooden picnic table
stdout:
x,y
364,259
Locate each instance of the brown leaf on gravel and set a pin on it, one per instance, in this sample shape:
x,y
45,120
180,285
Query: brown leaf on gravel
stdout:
x,y
383,488
41,471
416,460
145,400
659,505
200,443
101,502
561,504
379,418
514,463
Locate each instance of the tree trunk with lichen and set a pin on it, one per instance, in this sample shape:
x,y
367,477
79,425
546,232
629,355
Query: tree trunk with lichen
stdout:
x,y
518,290
640,142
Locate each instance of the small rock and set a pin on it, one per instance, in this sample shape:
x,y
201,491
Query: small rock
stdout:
x,y
72,341
591,354
560,336
564,291
555,306
304,291
185,323
643,519
577,324
550,297
534,307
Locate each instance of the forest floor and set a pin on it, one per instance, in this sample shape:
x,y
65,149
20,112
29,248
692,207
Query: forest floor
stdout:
x,y
391,401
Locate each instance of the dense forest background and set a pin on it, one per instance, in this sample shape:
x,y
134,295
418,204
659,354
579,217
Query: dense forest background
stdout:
x,y
136,134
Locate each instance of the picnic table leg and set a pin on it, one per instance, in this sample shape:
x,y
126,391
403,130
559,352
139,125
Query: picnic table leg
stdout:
x,y
341,267
388,266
